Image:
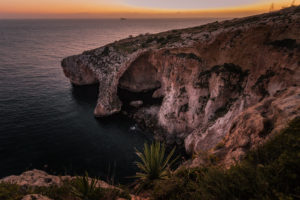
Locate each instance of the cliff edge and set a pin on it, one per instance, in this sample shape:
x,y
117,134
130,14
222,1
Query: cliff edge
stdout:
x,y
224,87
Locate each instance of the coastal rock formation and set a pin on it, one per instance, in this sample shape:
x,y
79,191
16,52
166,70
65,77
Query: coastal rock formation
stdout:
x,y
42,179
252,126
34,178
234,81
39,178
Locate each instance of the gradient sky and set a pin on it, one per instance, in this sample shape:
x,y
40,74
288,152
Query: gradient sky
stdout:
x,y
135,8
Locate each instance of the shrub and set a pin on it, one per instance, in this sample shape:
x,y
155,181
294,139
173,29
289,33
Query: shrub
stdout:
x,y
154,164
11,191
85,188
269,172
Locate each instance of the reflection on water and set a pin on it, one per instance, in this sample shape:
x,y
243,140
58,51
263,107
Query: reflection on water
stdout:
x,y
76,143
116,154
47,123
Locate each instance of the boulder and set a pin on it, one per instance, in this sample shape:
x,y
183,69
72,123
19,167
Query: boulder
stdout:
x,y
136,104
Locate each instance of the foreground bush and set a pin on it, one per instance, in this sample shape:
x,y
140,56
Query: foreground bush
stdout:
x,y
270,172
154,163
86,188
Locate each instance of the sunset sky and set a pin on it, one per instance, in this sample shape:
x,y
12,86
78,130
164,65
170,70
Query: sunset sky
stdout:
x,y
136,8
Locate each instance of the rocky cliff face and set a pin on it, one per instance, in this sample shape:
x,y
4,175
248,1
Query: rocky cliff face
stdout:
x,y
231,84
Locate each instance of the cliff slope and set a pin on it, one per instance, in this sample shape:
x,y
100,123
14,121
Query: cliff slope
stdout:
x,y
225,87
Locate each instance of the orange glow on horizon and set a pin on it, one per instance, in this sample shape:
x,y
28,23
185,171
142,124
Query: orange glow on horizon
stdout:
x,y
64,10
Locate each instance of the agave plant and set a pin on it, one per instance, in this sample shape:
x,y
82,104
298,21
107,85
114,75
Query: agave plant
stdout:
x,y
84,187
154,164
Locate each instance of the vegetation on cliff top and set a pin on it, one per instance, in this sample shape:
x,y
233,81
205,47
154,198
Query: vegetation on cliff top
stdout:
x,y
269,172
154,164
76,189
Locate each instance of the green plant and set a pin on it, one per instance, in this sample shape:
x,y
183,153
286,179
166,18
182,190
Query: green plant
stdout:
x,y
61,192
85,187
269,172
154,164
11,191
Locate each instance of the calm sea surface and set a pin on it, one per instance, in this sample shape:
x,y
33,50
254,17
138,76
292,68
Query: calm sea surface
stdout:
x,y
45,123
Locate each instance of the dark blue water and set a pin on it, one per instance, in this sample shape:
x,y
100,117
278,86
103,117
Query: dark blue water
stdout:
x,y
45,122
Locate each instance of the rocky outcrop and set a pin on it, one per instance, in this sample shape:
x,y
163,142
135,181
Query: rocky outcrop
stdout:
x,y
35,197
252,127
42,179
255,124
39,178
225,82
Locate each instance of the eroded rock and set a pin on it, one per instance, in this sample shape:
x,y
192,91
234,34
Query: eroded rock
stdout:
x,y
42,179
206,77
35,197
39,178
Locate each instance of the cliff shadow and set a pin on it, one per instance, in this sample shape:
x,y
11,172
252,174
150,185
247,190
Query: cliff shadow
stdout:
x,y
145,97
86,94
138,84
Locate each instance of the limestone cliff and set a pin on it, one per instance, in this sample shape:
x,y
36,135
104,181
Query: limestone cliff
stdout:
x,y
233,82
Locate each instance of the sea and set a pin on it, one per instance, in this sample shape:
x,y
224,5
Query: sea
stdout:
x,y
47,123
